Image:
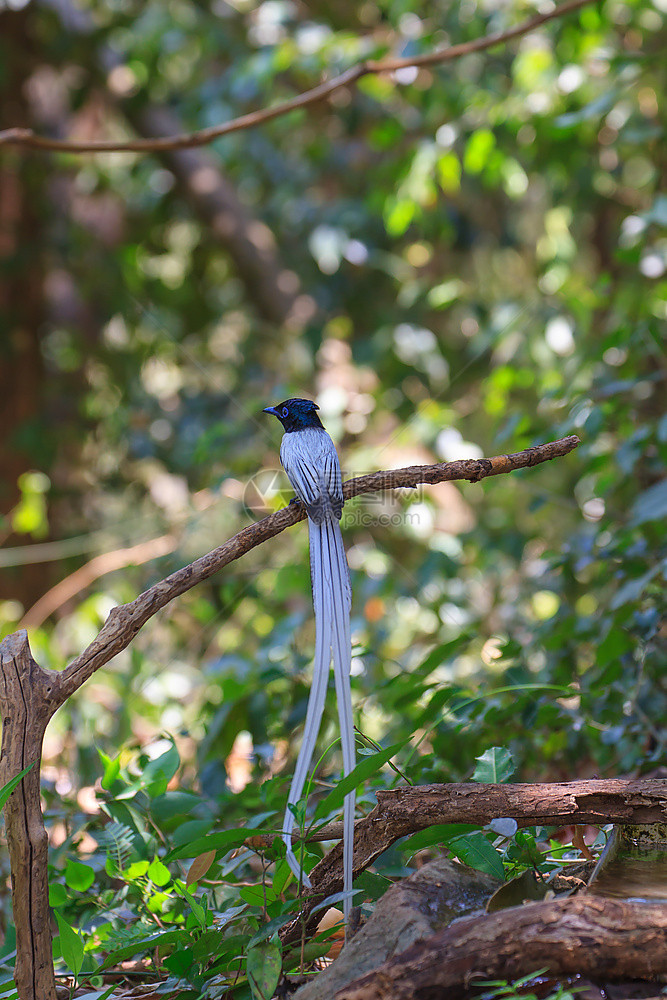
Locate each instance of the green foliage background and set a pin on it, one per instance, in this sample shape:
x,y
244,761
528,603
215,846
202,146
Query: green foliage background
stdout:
x,y
475,256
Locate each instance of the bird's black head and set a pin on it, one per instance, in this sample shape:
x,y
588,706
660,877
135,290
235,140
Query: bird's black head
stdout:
x,y
296,414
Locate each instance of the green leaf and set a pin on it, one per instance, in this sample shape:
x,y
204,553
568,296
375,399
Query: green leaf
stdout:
x,y
270,928
475,850
614,645
281,876
57,894
263,968
180,962
495,765
71,945
173,804
398,215
257,895
449,172
478,149
147,943
136,870
372,884
437,834
8,990
158,873
78,876
159,772
633,589
198,911
367,767
193,830
222,841
111,769
7,789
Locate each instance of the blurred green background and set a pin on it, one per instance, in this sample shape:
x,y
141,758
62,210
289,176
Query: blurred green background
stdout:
x,y
455,262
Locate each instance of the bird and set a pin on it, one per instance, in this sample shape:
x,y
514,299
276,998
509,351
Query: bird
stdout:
x,y
311,462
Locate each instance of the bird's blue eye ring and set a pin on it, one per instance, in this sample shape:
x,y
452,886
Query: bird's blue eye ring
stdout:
x,y
285,411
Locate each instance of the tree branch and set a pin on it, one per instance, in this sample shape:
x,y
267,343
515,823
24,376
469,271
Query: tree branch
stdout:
x,y
27,138
125,620
406,810
402,811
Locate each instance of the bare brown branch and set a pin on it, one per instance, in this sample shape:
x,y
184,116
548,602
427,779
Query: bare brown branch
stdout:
x,y
125,621
406,810
107,562
27,138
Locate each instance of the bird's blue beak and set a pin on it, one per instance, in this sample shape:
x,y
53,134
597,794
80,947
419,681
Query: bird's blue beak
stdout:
x,y
270,409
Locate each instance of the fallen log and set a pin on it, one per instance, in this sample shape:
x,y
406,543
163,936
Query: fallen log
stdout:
x,y
584,935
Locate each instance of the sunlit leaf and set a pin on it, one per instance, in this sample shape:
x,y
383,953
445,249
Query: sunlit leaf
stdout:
x,y
78,876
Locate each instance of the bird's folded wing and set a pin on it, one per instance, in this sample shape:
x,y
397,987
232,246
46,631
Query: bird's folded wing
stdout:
x,y
312,466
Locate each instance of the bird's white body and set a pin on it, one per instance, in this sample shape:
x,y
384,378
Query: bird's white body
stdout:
x,y
311,463
310,460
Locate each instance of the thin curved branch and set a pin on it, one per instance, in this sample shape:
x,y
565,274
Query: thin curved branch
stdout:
x,y
27,138
405,810
96,567
125,620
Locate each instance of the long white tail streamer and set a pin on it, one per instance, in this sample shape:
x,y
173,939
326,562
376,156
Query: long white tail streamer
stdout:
x,y
332,603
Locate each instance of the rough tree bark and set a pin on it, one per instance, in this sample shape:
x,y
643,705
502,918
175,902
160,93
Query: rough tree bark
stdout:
x,y
406,810
582,935
27,702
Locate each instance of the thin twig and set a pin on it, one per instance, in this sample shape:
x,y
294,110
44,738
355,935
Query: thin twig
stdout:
x,y
28,139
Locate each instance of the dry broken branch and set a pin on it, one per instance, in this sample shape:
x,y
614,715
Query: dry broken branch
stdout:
x,y
27,138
